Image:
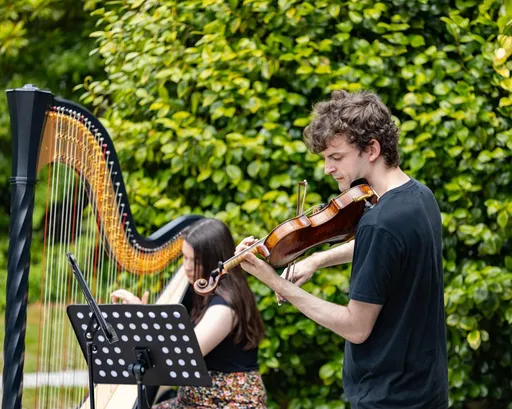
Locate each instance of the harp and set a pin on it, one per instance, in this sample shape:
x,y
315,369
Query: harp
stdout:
x,y
85,211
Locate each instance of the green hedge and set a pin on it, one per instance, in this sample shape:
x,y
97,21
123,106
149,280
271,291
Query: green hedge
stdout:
x,y
207,100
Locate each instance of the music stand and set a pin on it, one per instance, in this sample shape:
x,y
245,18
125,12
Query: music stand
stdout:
x,y
156,345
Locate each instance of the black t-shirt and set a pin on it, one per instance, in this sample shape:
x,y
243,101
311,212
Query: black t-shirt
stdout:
x,y
228,356
398,264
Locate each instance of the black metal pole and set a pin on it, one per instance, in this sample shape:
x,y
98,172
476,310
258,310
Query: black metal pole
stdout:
x,y
90,349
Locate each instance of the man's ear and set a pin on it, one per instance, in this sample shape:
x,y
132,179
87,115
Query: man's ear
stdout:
x,y
374,150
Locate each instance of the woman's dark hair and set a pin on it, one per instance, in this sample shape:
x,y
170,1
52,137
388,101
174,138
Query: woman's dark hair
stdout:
x,y
359,117
212,242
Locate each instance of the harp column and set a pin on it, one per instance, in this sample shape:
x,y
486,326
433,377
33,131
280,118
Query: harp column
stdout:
x,y
27,109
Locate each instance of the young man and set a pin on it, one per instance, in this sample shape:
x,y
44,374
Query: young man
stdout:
x,y
394,324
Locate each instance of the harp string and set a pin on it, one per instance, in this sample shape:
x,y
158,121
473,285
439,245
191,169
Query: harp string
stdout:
x,y
71,394
42,318
63,279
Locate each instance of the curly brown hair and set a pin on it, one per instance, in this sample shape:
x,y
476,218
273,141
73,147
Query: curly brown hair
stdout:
x,y
360,117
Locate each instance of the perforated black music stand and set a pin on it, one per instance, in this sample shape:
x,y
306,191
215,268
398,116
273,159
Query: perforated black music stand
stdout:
x,y
140,344
157,346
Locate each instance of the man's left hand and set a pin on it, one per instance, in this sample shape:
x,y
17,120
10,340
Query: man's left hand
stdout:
x,y
258,268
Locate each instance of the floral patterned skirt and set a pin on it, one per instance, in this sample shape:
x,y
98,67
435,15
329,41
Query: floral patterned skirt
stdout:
x,y
237,390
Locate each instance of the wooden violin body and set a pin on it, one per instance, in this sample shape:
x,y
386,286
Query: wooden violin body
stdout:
x,y
334,223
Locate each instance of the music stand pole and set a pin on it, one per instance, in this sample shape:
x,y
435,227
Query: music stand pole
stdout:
x,y
90,347
139,369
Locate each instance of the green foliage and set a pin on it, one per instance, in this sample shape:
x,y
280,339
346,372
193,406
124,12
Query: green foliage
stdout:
x,y
46,43
207,100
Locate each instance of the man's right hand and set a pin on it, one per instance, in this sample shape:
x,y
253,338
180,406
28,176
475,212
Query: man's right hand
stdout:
x,y
305,268
299,274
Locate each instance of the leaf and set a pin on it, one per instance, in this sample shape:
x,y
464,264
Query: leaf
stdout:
x,y
508,315
163,203
251,205
302,40
468,323
304,69
253,168
277,181
455,151
205,174
441,89
484,156
474,339
218,176
168,123
272,363
502,219
460,213
323,69
417,161
253,104
453,320
423,137
131,56
408,126
234,173
302,122
326,371
416,41
505,102
334,10
355,17
234,25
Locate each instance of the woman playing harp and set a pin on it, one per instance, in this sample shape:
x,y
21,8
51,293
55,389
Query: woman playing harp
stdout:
x,y
228,325
87,213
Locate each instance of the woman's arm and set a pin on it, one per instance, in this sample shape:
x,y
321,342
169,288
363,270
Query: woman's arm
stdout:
x,y
216,324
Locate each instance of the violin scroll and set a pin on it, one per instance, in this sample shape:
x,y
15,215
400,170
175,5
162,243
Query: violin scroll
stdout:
x,y
204,287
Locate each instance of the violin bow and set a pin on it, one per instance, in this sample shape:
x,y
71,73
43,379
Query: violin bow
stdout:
x,y
298,212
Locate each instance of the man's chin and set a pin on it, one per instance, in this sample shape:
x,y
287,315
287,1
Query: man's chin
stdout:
x,y
342,185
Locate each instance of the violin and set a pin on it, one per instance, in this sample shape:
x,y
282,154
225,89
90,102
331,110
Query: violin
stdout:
x,y
333,223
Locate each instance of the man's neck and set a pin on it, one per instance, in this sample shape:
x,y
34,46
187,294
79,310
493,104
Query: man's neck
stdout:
x,y
383,179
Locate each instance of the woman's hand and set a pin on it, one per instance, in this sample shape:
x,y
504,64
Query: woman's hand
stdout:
x,y
126,297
